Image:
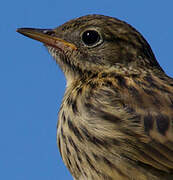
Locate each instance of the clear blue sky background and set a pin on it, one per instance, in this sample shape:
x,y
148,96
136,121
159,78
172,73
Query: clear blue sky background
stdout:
x,y
32,85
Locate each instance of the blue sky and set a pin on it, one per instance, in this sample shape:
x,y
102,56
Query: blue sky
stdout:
x,y
32,85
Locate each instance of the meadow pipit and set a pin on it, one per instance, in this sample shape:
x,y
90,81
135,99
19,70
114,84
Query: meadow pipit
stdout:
x,y
115,121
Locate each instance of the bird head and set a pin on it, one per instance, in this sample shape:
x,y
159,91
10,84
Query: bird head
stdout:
x,y
95,43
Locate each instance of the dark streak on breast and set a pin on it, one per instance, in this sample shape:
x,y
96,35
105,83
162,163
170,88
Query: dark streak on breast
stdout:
x,y
148,123
108,117
73,144
77,166
162,122
74,107
136,119
74,130
63,137
68,151
63,117
91,138
134,92
90,163
59,145
108,163
79,158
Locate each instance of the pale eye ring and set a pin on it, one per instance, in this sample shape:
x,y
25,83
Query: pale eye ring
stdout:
x,y
91,38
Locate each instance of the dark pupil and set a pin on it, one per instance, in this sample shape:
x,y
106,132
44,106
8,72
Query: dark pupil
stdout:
x,y
90,37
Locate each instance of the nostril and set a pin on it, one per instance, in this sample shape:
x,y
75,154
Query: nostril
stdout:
x,y
48,32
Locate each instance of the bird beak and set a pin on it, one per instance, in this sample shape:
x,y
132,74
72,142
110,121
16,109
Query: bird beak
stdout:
x,y
47,37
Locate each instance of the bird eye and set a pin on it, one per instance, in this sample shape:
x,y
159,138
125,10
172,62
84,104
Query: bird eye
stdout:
x,y
91,38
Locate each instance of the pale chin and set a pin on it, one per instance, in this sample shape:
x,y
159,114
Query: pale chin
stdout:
x,y
58,57
54,53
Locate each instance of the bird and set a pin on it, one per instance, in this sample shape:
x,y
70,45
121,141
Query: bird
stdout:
x,y
116,117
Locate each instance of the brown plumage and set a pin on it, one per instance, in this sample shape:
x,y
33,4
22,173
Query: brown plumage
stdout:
x,y
115,121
